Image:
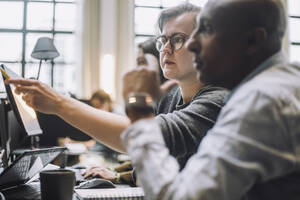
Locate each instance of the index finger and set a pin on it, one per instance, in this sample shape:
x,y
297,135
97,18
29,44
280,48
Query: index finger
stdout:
x,y
24,82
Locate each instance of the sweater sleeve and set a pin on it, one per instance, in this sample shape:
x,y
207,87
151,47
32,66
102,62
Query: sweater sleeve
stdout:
x,y
183,129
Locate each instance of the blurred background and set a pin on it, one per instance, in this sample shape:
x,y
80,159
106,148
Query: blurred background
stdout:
x,y
96,39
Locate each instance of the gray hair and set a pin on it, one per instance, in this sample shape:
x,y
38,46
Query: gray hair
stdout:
x,y
175,11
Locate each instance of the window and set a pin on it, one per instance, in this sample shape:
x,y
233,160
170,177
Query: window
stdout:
x,y
23,22
294,29
146,14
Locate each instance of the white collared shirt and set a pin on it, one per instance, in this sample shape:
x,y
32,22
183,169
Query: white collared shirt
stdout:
x,y
255,140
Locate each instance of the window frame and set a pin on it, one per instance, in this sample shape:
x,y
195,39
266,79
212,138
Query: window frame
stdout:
x,y
294,17
26,31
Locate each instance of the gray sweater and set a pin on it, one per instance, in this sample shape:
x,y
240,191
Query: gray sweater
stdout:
x,y
184,125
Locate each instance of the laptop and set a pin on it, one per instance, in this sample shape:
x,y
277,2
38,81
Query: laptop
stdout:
x,y
26,166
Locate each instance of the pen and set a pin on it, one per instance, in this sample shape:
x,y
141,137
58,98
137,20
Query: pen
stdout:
x,y
4,73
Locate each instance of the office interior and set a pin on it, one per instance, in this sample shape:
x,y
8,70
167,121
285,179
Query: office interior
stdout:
x,y
96,40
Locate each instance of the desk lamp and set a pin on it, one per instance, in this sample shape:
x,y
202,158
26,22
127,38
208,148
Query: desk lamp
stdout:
x,y
44,50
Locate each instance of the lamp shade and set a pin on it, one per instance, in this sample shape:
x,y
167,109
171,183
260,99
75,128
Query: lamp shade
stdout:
x,y
44,49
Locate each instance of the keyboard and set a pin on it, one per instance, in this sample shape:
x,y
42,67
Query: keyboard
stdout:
x,y
25,192
30,191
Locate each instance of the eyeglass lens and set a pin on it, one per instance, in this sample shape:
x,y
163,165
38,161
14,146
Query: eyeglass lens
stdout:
x,y
176,41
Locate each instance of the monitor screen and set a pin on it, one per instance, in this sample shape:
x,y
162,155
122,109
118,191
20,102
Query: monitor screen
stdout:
x,y
2,89
25,115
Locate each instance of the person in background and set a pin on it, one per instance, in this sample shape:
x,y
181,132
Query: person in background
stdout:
x,y
252,152
101,100
149,47
184,115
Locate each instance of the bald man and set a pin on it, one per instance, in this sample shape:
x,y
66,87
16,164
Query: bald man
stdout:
x,y
253,151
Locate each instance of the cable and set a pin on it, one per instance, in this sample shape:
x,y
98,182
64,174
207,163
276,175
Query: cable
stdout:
x,y
2,196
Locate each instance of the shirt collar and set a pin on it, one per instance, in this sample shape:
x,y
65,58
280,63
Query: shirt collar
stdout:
x,y
278,57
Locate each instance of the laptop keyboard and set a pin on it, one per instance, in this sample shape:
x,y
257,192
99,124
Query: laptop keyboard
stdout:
x,y
18,172
22,168
25,192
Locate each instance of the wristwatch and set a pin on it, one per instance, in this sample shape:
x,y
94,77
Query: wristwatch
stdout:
x,y
139,105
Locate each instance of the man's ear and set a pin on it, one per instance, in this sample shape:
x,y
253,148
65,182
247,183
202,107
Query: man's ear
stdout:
x,y
256,38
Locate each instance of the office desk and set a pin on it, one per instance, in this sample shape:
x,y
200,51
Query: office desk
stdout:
x,y
32,190
29,191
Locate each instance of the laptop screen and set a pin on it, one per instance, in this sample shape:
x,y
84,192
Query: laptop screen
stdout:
x,y
27,165
24,114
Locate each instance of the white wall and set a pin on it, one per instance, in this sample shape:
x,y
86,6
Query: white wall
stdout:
x,y
286,37
107,48
125,49
90,49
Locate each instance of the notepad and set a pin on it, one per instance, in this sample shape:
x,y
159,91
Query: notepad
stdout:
x,y
111,193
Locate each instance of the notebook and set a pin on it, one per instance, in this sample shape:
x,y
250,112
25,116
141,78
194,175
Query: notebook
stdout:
x,y
111,193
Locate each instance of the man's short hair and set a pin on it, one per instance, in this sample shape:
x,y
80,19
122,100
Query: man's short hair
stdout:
x,y
175,11
247,14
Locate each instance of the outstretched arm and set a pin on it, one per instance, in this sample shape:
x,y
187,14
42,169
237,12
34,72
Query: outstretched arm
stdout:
x,y
101,125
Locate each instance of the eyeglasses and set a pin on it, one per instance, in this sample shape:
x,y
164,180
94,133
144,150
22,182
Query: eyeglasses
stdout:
x,y
176,41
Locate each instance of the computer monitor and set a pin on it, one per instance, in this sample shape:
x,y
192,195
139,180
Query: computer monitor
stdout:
x,y
24,114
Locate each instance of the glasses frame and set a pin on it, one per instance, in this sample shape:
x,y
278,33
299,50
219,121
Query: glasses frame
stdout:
x,y
170,39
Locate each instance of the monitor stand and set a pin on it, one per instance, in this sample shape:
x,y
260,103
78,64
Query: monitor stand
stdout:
x,y
4,135
9,156
35,141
